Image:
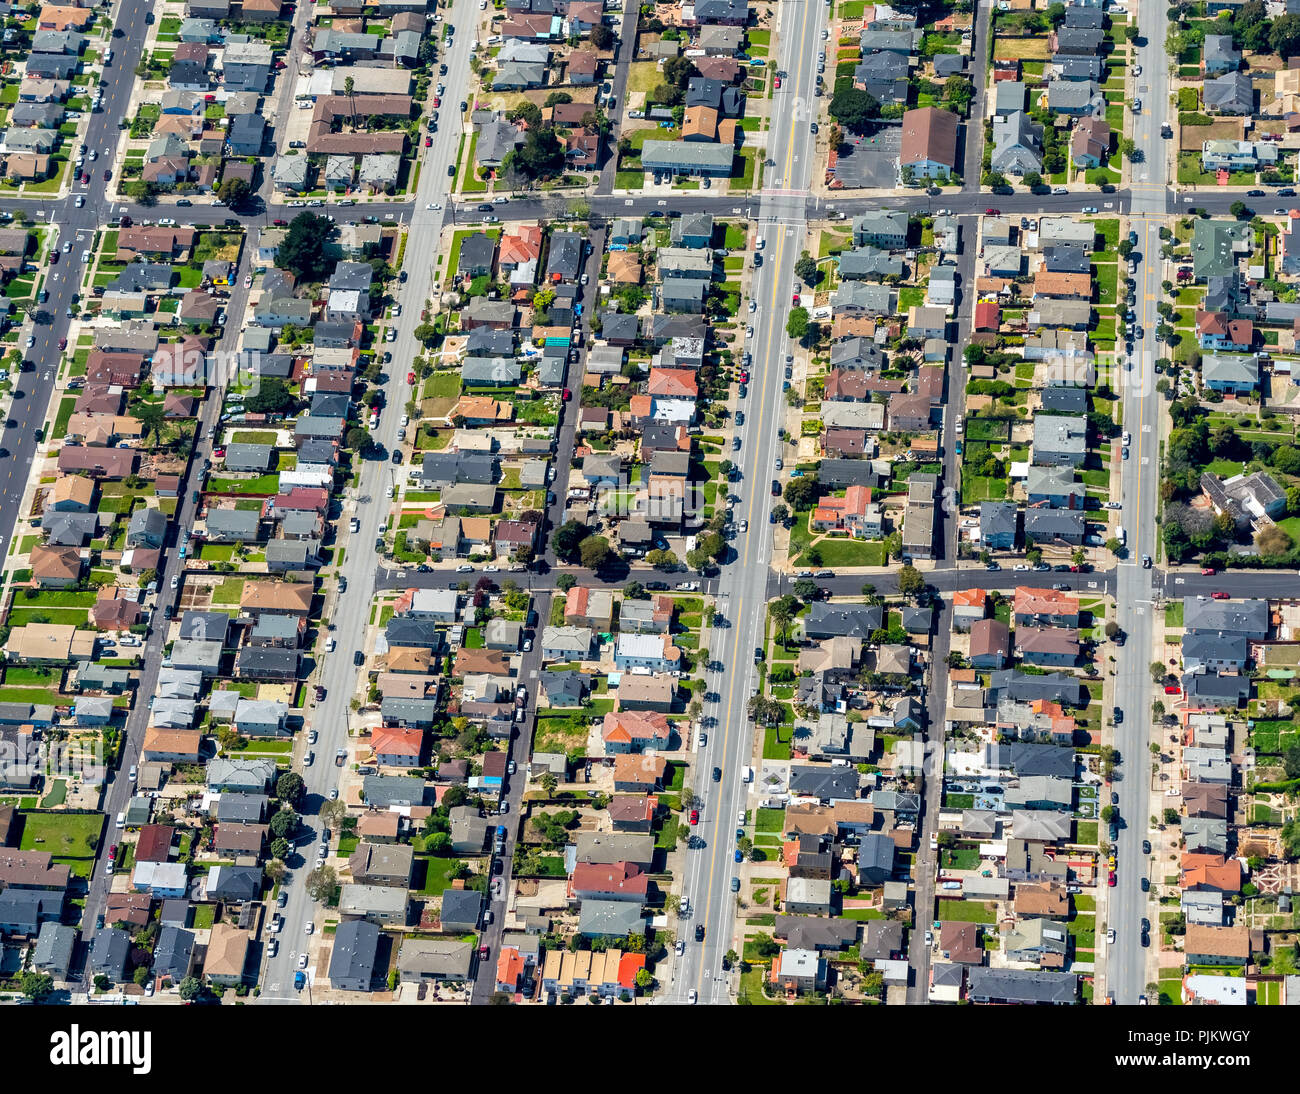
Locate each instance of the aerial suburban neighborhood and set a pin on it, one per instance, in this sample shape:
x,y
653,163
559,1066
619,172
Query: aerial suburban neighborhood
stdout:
x,y
701,502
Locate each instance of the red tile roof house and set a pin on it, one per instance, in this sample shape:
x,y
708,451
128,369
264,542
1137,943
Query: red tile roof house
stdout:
x,y
155,843
617,881
847,514
312,499
635,731
1045,606
636,774
1214,330
987,316
397,746
676,383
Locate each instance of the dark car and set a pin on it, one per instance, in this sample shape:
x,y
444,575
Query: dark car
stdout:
x,y
343,584
1114,798
1255,193
451,170
397,455
1119,715
169,610
358,658
717,774
758,654
485,208
776,488
379,543
1146,847
1287,192
699,932
1146,885
107,174
657,586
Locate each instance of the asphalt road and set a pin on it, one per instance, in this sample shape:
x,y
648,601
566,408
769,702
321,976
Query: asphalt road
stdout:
x,y
348,612
742,589
1126,961
32,390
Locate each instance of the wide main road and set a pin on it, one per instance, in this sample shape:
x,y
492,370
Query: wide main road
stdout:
x,y
742,589
1139,477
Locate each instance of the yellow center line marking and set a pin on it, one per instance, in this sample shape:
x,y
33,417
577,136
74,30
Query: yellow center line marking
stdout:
x,y
736,679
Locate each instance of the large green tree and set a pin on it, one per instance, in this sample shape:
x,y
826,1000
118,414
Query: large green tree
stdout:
x,y
303,249
855,110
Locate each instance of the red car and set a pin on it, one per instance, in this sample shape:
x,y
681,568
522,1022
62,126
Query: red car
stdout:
x,y
428,142
112,851
218,452
1173,689
125,222
410,377
1220,595
1208,571
279,223
437,102
63,343
794,299
567,395
483,952
54,258
1110,879
778,83
107,174
993,212
744,376
695,816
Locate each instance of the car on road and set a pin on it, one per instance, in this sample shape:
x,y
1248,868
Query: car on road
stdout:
x,y
1110,936
744,526
1219,594
695,816
302,964
1110,879
777,84
794,299
993,212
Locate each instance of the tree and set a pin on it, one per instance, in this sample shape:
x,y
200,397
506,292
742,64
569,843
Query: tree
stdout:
x,y
781,512
729,960
234,192
1125,248
910,581
284,824
602,37
854,109
528,113
1284,36
1033,180
1291,762
1157,669
644,979
190,988
1128,148
541,156
959,91
565,582
806,269
806,589
320,883
152,417
765,711
280,848
332,813
290,788
796,326
1112,628
800,493
782,613
273,397
594,552
568,538
302,251
357,439
36,985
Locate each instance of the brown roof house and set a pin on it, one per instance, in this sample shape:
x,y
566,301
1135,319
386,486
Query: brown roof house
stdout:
x,y
929,144
55,567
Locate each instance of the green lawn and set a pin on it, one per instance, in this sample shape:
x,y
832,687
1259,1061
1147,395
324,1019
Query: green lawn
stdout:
x,y
66,835
436,874
967,911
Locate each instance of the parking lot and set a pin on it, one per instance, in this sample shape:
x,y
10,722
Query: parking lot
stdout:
x,y
870,161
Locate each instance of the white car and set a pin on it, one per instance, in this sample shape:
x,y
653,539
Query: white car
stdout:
x,y
94,155
308,927
753,305
493,569
464,568
691,997
311,736
334,793
1021,566
81,201
680,948
31,340
391,336
302,961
